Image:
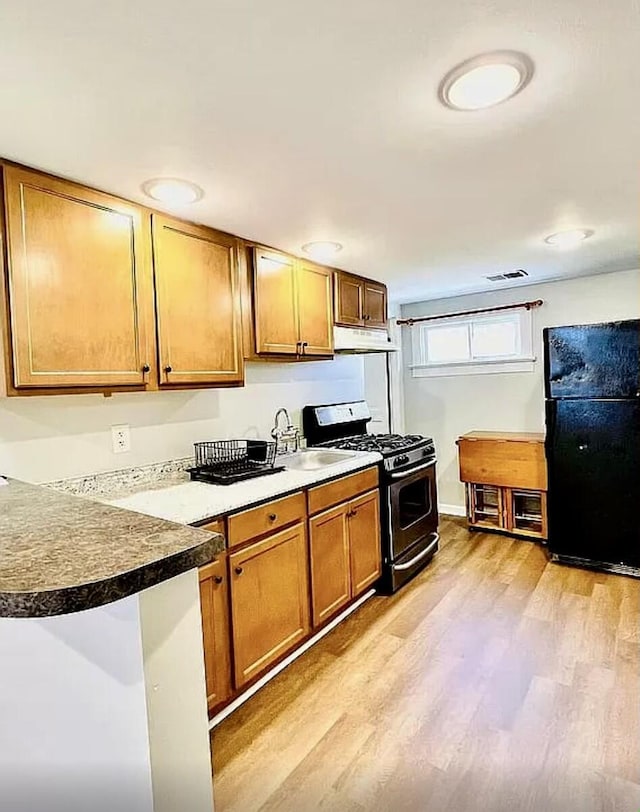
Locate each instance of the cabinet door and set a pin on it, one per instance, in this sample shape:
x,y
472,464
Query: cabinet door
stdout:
x,y
275,303
364,541
330,565
315,309
349,299
375,304
269,600
214,605
79,274
197,304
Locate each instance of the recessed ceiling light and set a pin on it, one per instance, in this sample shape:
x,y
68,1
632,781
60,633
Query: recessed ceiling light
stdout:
x,y
173,191
322,249
569,239
486,80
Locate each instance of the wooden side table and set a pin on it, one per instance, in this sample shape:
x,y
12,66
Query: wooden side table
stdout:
x,y
505,474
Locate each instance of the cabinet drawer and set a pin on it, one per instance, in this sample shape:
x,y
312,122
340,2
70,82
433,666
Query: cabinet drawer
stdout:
x,y
216,526
504,463
265,518
325,496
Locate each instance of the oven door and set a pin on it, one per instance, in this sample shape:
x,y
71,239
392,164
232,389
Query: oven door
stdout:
x,y
413,507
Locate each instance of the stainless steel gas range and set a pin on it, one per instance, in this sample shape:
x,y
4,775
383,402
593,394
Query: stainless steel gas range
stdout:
x,y
409,505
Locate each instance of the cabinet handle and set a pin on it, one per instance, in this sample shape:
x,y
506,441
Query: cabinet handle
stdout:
x,y
273,517
298,347
146,368
239,570
217,579
168,369
351,514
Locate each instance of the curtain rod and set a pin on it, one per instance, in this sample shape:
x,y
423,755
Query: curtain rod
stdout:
x,y
526,305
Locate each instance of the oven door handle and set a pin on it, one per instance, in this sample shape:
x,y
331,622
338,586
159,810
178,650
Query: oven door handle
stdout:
x,y
423,554
400,474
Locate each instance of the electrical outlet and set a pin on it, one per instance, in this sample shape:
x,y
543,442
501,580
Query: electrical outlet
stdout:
x,y
121,438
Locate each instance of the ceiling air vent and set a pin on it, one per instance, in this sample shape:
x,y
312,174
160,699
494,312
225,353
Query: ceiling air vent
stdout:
x,y
500,277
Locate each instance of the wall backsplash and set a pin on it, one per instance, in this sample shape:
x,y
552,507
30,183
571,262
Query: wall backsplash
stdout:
x,y
56,437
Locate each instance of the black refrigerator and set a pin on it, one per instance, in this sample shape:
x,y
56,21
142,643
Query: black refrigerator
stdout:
x,y
592,390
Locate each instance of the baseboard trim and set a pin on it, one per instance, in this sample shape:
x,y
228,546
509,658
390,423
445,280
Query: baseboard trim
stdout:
x,y
240,700
452,510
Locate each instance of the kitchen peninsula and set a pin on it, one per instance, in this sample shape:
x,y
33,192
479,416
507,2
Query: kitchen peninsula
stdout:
x,y
102,687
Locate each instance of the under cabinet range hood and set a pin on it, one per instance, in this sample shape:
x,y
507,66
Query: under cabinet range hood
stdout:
x,y
355,339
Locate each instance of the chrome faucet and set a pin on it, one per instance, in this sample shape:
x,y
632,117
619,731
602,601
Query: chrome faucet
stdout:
x,y
286,438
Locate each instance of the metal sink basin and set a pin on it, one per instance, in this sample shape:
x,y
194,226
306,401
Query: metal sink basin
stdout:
x,y
314,458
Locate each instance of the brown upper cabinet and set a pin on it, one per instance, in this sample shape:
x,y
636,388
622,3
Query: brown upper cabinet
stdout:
x,y
79,280
315,308
293,307
98,294
359,302
375,304
197,304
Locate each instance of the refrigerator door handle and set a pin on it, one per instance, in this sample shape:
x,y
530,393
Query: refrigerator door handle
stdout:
x,y
551,425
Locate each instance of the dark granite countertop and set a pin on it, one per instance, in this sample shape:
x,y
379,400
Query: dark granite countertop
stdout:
x,y
61,553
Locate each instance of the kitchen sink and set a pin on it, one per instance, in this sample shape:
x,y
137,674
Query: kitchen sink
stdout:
x,y
312,459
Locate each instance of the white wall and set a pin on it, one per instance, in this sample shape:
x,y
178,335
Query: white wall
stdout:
x,y
376,391
74,732
55,437
447,407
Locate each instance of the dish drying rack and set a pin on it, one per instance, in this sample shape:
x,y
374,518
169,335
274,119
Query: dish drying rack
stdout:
x,y
223,462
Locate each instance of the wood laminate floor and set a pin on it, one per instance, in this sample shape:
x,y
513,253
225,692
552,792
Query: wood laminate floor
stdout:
x,y
495,681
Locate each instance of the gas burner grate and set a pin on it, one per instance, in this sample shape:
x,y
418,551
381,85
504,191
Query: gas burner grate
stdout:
x,y
383,443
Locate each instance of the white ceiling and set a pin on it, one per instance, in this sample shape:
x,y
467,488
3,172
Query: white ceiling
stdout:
x,y
320,121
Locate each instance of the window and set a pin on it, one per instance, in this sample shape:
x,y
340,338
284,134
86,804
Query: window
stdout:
x,y
469,345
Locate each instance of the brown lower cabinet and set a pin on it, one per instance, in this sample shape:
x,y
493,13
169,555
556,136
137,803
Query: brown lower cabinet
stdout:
x,y
330,566
364,541
345,554
214,604
269,600
282,571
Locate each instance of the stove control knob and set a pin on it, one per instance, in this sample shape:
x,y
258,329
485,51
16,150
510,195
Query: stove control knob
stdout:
x,y
402,460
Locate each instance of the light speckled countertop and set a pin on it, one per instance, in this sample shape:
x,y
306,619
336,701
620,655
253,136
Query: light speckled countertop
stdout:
x,y
191,502
61,553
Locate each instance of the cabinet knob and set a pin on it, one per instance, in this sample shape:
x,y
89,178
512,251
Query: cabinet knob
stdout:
x,y
146,368
273,517
168,369
238,570
366,318
217,579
